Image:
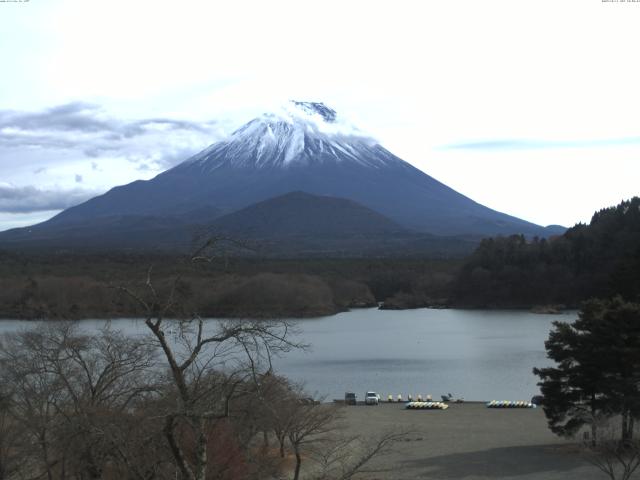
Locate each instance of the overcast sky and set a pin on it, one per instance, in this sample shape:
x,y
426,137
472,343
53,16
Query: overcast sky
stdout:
x,y
529,107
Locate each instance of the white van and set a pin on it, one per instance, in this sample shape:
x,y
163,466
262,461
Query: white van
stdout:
x,y
372,398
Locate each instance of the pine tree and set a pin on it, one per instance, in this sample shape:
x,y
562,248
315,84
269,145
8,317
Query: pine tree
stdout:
x,y
598,368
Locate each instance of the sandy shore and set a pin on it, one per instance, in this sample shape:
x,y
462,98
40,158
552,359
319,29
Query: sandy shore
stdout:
x,y
470,441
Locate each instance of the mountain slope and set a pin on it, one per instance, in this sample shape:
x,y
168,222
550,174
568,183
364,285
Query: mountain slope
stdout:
x,y
296,224
302,214
306,148
299,224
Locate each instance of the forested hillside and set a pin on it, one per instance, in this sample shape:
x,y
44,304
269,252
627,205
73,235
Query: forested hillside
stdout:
x,y
596,260
82,286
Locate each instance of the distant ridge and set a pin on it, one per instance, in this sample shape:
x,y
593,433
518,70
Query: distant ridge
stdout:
x,y
303,214
299,224
308,148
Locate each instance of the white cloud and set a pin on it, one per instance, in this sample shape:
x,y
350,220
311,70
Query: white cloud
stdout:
x,y
415,75
15,220
30,199
83,143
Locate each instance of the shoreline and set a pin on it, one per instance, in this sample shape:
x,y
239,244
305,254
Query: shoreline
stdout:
x,y
299,316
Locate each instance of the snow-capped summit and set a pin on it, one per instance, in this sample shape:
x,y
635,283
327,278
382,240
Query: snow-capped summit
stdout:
x,y
328,114
303,147
301,133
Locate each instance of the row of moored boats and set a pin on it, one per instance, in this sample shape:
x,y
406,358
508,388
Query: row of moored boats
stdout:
x,y
491,404
510,404
427,405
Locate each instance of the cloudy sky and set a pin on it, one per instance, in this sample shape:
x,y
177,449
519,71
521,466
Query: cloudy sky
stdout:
x,y
530,107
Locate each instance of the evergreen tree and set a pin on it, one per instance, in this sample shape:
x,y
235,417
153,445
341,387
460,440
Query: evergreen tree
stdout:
x,y
598,368
601,259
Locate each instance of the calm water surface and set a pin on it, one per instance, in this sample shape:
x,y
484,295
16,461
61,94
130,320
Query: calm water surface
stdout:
x,y
479,355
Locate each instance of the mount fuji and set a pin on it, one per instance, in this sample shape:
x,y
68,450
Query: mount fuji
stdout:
x,y
307,148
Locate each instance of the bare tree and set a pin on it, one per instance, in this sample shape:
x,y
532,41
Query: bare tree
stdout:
x,y
36,393
616,458
187,400
207,361
11,437
71,392
344,457
309,425
278,398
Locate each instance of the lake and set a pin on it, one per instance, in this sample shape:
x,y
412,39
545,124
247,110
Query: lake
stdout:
x,y
475,354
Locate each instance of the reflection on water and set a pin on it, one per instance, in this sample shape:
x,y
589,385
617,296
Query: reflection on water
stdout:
x,y
479,355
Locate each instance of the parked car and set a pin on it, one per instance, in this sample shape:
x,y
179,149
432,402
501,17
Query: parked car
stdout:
x,y
537,399
350,398
448,398
372,398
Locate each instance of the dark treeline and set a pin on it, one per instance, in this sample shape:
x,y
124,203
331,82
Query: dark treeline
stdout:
x,y
79,286
601,259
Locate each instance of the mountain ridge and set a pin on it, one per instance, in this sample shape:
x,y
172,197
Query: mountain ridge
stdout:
x,y
309,148
302,214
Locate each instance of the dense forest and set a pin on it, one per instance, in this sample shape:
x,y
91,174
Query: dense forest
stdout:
x,y
86,286
601,259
